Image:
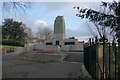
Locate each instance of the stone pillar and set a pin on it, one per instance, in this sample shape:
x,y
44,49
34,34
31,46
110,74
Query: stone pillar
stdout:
x,y
59,28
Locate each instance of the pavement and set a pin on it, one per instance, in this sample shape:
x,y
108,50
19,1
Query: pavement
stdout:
x,y
74,57
13,67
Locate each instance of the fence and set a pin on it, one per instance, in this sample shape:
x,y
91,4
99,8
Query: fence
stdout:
x,y
101,60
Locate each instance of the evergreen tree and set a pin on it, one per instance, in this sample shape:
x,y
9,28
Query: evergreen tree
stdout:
x,y
13,33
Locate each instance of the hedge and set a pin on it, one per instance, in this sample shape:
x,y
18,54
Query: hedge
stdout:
x,y
13,43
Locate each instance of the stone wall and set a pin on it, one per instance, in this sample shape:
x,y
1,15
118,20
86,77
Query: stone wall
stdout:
x,y
65,48
16,50
0,49
47,47
29,47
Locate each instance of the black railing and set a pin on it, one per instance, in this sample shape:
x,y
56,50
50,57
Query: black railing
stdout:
x,y
100,60
90,59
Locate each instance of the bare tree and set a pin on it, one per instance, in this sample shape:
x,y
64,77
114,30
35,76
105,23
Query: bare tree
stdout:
x,y
109,19
16,6
100,30
96,30
44,34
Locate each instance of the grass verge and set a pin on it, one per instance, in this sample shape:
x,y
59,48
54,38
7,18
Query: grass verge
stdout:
x,y
8,46
35,59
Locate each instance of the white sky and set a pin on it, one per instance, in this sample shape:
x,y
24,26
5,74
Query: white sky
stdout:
x,y
60,0
43,13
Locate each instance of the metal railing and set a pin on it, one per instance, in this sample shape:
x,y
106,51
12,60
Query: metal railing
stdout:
x,y
100,60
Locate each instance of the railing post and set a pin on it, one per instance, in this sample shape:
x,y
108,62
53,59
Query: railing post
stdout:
x,y
103,60
100,61
118,60
109,62
103,40
115,62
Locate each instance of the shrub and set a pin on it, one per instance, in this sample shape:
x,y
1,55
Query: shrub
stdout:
x,y
13,43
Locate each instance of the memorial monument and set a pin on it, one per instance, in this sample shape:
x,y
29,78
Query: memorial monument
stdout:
x,y
59,41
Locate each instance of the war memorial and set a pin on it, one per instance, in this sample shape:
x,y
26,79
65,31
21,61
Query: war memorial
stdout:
x,y
59,41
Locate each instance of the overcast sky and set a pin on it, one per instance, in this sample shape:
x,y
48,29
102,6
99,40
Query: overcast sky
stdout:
x,y
43,14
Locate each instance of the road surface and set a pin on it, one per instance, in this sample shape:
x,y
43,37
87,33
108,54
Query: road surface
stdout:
x,y
15,68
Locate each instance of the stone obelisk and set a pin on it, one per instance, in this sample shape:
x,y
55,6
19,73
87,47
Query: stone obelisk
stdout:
x,y
59,28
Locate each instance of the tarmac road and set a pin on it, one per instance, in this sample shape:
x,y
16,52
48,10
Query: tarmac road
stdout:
x,y
15,68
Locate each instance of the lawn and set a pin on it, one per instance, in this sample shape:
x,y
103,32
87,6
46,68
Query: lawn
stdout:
x,y
7,46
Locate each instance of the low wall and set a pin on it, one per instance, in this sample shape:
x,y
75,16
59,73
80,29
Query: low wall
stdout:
x,y
65,48
29,47
16,50
46,47
0,49
68,48
11,51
